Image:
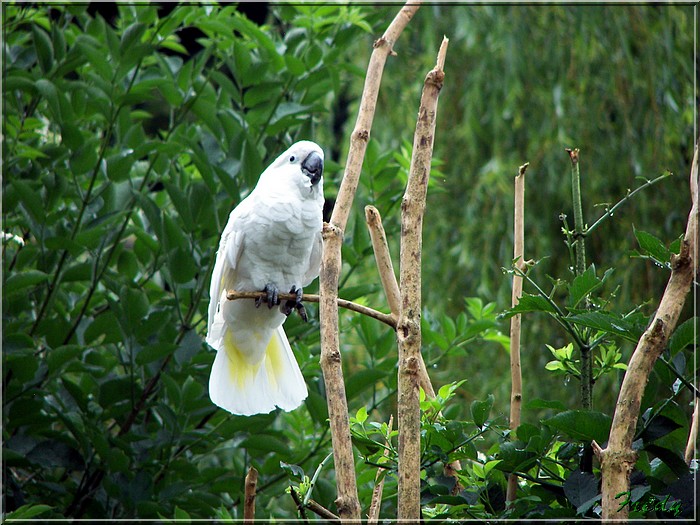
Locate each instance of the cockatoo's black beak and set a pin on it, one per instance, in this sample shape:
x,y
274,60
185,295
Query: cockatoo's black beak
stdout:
x,y
313,167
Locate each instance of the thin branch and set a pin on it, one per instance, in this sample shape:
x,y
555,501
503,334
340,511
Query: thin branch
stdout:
x,y
298,503
516,397
251,481
383,259
609,212
409,330
320,510
347,501
618,458
232,295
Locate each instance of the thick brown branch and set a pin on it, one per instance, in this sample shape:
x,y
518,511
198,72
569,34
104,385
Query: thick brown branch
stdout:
x,y
408,332
347,501
232,295
618,458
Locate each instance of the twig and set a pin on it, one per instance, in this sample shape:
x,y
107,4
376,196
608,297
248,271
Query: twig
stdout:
x,y
320,510
609,212
409,331
618,458
232,295
251,481
516,397
383,258
347,500
376,503
692,435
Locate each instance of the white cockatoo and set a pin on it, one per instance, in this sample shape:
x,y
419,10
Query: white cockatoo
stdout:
x,y
272,243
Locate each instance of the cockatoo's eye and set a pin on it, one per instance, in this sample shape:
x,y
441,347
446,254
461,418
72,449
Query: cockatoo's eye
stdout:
x,y
292,158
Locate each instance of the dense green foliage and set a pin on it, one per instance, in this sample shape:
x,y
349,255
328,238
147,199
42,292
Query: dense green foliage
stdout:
x,y
126,145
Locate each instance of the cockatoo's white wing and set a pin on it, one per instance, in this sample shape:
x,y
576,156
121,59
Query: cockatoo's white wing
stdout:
x,y
314,260
230,247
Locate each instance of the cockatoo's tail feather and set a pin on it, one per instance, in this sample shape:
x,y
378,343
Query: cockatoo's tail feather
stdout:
x,y
245,387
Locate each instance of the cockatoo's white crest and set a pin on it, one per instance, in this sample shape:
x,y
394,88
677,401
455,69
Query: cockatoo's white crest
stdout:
x,y
272,242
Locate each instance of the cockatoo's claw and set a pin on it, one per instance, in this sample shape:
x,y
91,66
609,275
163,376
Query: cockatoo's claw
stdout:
x,y
296,303
271,296
302,312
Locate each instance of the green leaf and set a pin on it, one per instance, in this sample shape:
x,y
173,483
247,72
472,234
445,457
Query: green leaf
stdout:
x,y
361,415
683,336
652,246
609,322
580,487
265,443
154,351
582,285
18,281
131,35
530,303
84,158
481,409
658,428
181,265
135,303
30,199
26,512
582,425
95,53
44,48
514,457
60,356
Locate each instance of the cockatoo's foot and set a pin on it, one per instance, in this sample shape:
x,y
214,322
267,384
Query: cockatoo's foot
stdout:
x,y
272,296
290,305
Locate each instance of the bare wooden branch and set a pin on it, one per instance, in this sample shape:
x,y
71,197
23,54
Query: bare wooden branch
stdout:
x,y
320,510
251,481
383,258
232,295
408,330
516,396
692,435
347,501
618,458
376,503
